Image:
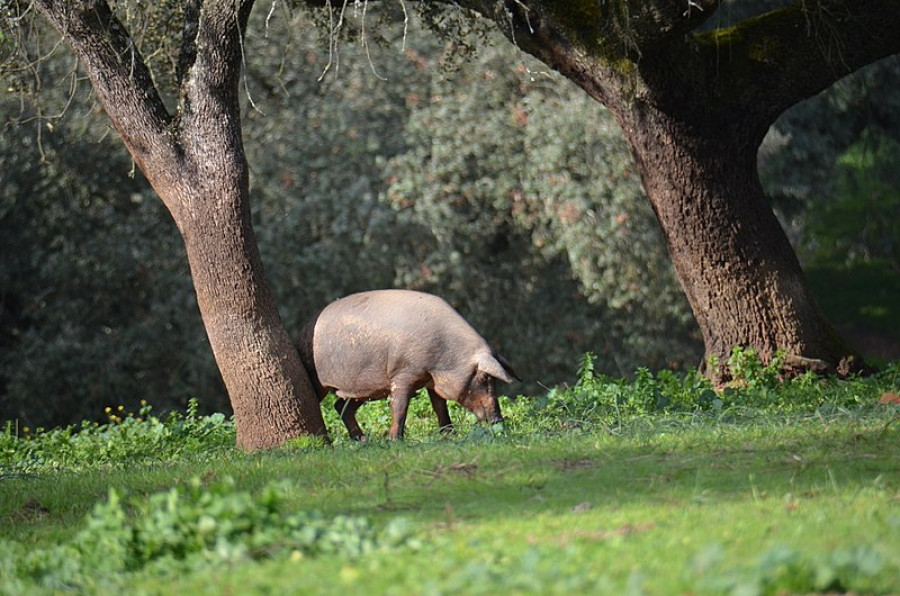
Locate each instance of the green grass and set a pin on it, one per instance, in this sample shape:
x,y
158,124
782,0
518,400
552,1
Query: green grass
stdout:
x,y
596,489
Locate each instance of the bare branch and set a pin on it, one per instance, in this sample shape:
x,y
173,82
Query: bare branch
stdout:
x,y
117,71
365,41
334,31
405,25
188,38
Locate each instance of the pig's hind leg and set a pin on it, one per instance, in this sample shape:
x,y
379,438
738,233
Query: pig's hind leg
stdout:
x,y
347,409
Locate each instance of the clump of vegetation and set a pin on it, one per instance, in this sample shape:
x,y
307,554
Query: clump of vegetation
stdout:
x,y
195,526
125,439
594,401
756,391
784,570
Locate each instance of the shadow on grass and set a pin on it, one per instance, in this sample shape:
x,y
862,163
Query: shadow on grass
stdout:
x,y
530,477
514,476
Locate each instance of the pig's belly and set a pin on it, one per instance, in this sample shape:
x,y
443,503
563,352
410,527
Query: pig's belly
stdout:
x,y
364,384
353,392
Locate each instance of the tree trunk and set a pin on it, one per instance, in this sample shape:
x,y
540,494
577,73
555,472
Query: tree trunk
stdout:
x,y
269,389
694,109
735,263
195,162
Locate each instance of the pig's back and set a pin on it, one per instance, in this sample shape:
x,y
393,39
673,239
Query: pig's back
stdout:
x,y
363,341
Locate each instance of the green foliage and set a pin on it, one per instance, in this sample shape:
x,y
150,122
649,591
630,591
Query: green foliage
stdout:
x,y
831,166
529,193
517,201
595,400
784,570
675,491
744,368
97,305
862,297
755,390
315,146
195,526
125,439
861,224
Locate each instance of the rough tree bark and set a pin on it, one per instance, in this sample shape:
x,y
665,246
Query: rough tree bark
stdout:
x,y
736,265
694,108
195,162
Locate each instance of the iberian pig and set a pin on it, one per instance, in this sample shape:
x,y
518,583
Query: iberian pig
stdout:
x,y
384,343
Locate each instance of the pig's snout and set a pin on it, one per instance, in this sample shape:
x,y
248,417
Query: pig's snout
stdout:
x,y
493,418
489,413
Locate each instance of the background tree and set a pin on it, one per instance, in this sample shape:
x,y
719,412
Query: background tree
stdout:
x,y
831,166
695,105
96,306
528,204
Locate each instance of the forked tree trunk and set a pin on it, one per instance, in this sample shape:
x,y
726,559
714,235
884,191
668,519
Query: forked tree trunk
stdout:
x,y
739,272
195,162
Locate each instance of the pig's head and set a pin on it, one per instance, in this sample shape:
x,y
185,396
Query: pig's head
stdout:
x,y
480,395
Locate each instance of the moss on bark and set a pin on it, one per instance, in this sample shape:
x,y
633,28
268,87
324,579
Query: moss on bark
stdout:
x,y
601,30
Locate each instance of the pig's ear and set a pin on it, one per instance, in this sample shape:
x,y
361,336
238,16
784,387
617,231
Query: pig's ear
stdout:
x,y
497,367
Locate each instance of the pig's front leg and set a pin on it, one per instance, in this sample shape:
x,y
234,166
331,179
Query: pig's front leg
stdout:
x,y
439,405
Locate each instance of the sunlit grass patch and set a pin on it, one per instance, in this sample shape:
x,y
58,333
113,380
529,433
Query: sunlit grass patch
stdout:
x,y
649,486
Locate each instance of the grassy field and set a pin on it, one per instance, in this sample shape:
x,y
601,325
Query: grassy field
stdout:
x,y
654,486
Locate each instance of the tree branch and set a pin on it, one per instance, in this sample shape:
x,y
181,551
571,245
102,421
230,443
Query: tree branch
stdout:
x,y
211,59
117,71
189,32
770,62
614,29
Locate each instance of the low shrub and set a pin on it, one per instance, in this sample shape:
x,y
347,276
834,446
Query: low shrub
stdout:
x,y
191,527
126,438
757,391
